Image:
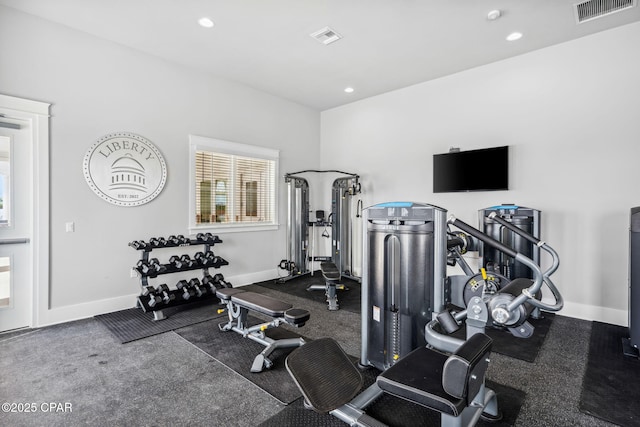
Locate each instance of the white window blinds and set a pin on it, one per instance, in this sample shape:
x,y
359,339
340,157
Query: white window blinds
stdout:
x,y
233,184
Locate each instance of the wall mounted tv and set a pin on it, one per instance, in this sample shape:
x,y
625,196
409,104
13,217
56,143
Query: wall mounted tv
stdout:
x,y
474,170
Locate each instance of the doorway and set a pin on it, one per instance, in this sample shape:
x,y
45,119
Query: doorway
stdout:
x,y
24,209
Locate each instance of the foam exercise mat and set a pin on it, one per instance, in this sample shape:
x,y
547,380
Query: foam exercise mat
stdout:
x,y
237,353
395,412
519,348
348,300
611,384
134,324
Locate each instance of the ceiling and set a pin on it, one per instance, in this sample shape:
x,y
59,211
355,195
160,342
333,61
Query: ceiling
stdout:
x,y
385,45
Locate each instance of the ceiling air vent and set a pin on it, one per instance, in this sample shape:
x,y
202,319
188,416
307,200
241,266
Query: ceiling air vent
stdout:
x,y
593,9
326,36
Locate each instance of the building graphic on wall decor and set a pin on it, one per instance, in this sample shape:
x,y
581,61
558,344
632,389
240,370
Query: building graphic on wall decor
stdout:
x,y
125,169
127,174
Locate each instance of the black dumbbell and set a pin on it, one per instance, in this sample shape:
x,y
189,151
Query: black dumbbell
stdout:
x,y
218,262
138,244
166,294
156,267
143,267
154,297
208,281
187,292
197,287
157,242
175,261
173,240
187,261
220,282
147,290
183,240
204,237
200,259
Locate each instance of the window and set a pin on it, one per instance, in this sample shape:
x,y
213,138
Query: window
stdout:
x,y
233,186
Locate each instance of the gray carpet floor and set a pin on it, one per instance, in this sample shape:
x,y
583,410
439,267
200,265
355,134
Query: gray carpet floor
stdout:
x,y
165,380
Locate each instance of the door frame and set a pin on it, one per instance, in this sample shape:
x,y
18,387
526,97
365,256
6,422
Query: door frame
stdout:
x,y
37,114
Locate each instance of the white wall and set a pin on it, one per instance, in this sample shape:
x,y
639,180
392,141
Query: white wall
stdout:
x,y
570,116
97,87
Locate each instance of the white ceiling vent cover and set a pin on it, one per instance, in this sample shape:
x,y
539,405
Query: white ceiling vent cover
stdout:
x,y
326,36
593,9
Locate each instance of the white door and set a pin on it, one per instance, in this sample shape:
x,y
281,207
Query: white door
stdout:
x,y
16,224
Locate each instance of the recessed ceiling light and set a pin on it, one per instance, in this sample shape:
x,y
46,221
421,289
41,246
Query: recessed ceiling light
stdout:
x,y
348,89
205,22
514,36
493,15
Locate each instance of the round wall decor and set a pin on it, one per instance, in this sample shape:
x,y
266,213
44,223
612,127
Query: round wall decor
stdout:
x,y
125,169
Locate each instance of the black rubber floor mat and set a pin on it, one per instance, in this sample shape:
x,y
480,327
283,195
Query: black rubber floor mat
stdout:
x,y
396,412
519,348
348,300
134,324
237,353
611,384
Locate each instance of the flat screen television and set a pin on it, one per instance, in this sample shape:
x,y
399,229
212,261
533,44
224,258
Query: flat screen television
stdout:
x,y
486,169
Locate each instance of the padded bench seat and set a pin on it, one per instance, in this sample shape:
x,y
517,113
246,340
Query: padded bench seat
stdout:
x,y
330,271
261,303
225,294
264,304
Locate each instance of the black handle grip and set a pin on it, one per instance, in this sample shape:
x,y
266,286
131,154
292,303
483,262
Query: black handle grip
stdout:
x,y
515,229
483,237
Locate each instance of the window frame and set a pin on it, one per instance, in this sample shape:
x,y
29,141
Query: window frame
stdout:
x,y
201,143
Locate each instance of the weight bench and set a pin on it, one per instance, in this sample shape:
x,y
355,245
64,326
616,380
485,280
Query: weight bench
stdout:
x,y
239,302
450,384
331,276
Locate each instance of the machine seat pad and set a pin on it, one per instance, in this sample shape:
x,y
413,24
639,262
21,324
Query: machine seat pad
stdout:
x,y
225,294
330,271
261,303
297,316
428,377
324,374
417,377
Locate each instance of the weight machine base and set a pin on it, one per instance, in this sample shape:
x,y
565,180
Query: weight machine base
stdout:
x,y
628,349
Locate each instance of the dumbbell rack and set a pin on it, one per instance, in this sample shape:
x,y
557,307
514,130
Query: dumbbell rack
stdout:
x,y
176,295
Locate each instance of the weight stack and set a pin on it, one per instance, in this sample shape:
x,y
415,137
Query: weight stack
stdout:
x,y
634,278
524,218
404,266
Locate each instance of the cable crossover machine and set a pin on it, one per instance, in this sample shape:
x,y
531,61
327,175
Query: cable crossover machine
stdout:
x,y
301,232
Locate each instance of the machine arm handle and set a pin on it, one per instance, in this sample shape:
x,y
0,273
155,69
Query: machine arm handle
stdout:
x,y
495,217
528,293
481,236
554,255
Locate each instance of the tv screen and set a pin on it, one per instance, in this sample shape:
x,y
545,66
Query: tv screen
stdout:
x,y
474,170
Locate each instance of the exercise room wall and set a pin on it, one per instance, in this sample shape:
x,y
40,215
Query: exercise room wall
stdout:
x,y
97,87
569,114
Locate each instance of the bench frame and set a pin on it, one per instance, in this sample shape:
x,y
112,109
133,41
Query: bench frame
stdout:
x,y
238,311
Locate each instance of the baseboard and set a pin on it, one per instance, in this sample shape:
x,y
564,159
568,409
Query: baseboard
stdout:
x,y
247,279
93,308
597,313
84,310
